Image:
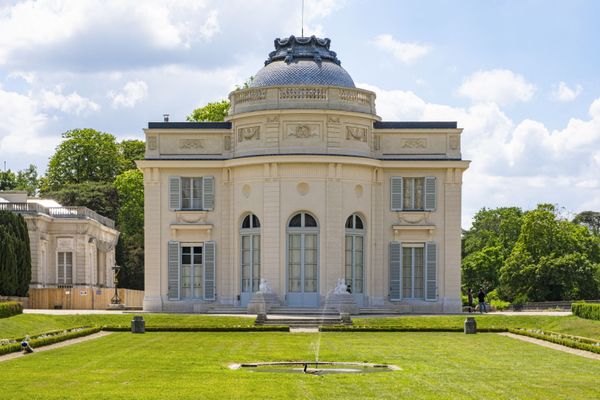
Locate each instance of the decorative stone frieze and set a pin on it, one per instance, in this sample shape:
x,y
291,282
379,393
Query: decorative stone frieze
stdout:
x,y
302,131
356,133
152,143
273,119
191,143
249,133
413,143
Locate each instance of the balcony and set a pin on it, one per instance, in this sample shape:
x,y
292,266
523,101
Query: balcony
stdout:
x,y
58,212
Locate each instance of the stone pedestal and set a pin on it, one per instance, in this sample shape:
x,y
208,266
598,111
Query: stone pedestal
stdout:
x,y
470,326
343,302
138,325
261,303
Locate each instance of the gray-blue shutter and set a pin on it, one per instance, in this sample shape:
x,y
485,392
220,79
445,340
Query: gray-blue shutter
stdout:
x,y
431,271
174,193
173,270
209,254
430,193
396,198
395,271
208,193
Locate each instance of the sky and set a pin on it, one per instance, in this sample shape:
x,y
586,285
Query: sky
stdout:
x,y
521,77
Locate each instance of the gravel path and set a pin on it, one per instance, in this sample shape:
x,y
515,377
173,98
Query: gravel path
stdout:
x,y
69,342
582,353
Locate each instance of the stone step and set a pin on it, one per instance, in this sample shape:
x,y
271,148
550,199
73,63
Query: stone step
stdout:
x,y
304,322
303,311
375,310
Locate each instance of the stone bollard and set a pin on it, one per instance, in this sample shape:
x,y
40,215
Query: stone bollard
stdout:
x,y
345,318
470,326
261,318
138,325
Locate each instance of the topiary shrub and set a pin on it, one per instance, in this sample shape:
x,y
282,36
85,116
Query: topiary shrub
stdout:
x,y
586,310
10,308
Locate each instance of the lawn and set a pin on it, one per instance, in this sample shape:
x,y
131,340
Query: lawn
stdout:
x,y
194,365
33,324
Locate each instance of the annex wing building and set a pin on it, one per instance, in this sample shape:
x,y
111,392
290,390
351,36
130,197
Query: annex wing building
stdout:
x,y
302,186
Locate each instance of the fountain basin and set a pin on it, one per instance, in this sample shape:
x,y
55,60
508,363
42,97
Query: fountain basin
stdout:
x,y
316,368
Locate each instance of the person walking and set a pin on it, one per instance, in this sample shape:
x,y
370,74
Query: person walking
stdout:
x,y
481,298
470,300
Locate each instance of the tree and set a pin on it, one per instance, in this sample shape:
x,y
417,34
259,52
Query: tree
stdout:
x,y
589,219
98,196
15,255
85,156
130,151
212,112
8,180
553,259
130,188
481,269
27,179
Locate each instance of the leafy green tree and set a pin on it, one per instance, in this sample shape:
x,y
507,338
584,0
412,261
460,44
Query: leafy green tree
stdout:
x,y
589,219
130,151
494,227
8,180
85,156
27,179
212,112
15,256
553,259
130,255
98,196
480,270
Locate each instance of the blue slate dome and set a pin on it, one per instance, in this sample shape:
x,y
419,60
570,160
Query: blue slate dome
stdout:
x,y
302,61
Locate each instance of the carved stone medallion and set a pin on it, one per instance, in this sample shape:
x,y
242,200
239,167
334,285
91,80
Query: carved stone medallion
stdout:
x,y
301,131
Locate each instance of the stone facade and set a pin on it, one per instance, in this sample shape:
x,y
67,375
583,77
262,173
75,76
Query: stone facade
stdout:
x,y
320,153
70,246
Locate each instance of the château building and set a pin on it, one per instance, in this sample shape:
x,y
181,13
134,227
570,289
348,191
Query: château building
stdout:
x,y
303,184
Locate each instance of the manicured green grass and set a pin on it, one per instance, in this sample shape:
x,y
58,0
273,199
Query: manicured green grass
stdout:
x,y
194,366
33,324
571,325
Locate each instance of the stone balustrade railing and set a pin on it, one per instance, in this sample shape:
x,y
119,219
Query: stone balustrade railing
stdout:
x,y
303,97
58,212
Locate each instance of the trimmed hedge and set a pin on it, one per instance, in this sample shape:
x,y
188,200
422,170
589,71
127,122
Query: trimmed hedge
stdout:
x,y
47,340
574,342
586,310
10,308
269,328
366,328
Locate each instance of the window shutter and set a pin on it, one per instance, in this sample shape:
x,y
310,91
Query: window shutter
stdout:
x,y
174,270
395,270
430,195
431,271
209,253
60,276
208,193
174,193
396,197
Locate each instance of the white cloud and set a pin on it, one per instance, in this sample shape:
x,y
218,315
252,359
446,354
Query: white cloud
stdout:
x,y
132,93
565,94
72,103
21,131
498,86
404,52
522,163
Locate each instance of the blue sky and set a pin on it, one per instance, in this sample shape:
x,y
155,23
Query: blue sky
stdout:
x,y
521,77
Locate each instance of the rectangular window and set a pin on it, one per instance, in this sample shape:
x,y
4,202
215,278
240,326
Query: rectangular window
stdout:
x,y
414,193
191,272
413,267
65,268
191,193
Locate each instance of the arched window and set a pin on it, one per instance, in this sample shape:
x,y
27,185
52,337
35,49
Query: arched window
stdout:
x,y
250,256
354,254
302,260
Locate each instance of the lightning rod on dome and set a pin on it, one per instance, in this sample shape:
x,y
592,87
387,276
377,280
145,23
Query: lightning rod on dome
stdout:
x,y
302,23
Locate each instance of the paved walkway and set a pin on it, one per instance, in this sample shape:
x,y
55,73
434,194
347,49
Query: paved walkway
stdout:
x,y
582,353
69,342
